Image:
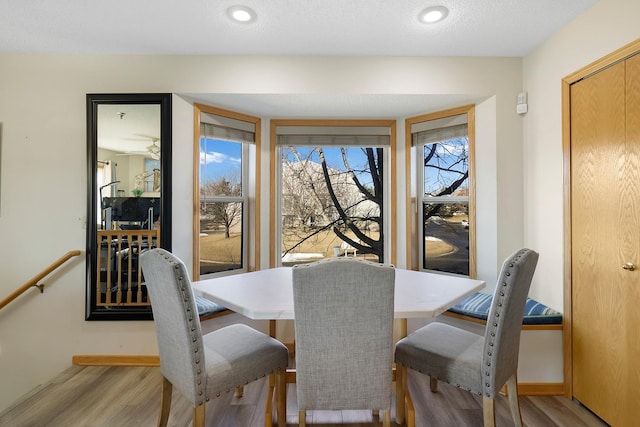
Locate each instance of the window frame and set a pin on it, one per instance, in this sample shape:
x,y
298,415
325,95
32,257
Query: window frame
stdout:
x,y
250,193
275,188
415,232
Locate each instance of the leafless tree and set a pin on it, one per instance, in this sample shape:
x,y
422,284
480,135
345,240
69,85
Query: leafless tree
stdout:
x,y
350,205
353,222
449,159
336,198
214,207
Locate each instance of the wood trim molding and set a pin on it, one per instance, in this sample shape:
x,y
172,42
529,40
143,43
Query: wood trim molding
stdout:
x,y
412,236
253,260
195,242
540,389
391,124
604,62
393,198
115,360
537,389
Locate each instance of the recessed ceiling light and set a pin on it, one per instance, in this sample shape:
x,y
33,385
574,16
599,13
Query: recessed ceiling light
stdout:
x,y
241,14
433,14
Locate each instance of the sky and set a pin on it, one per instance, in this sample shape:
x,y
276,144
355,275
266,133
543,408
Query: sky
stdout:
x,y
357,159
219,158
450,155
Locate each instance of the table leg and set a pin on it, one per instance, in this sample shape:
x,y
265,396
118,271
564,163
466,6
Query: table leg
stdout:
x,y
272,328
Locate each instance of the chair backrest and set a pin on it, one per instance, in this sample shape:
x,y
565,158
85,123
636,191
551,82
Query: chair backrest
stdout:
x,y
176,321
344,334
502,334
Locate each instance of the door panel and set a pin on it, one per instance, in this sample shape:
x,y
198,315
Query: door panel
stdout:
x,y
605,210
632,243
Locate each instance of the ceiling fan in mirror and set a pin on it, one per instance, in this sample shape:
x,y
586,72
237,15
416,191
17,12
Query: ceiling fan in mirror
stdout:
x,y
152,150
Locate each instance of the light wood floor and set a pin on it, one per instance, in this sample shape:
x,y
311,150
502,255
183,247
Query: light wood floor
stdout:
x,y
130,396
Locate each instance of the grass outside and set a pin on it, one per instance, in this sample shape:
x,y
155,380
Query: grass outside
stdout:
x,y
215,248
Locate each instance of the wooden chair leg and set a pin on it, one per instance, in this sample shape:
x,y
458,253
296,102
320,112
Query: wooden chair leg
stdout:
x,y
165,402
199,415
302,418
433,384
489,411
268,408
401,385
512,392
386,420
239,391
281,397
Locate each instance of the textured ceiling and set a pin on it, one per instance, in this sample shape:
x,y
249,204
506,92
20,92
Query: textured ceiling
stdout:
x,y
283,27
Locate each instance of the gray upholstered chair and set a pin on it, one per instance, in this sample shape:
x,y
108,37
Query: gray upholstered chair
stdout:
x,y
204,366
479,364
344,335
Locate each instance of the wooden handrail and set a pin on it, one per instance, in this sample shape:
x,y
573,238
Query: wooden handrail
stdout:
x,y
35,279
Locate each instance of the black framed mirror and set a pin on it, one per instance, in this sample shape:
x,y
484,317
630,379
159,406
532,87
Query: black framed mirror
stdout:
x,y
129,199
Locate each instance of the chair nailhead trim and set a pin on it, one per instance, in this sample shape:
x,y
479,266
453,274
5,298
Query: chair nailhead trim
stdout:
x,y
499,305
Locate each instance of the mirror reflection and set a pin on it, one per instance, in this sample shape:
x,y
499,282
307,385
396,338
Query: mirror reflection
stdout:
x,y
128,169
128,143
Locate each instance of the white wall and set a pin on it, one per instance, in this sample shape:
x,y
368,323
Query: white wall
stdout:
x,y
44,183
607,26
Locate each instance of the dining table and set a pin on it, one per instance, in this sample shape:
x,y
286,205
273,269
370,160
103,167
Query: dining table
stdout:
x,y
268,294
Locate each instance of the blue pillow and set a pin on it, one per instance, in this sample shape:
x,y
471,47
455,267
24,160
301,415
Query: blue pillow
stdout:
x,y
535,313
207,307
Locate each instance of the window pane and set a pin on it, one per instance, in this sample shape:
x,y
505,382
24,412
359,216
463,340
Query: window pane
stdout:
x,y
221,206
220,168
446,237
446,168
331,203
220,236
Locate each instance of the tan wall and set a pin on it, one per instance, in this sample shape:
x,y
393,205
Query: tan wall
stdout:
x,y
43,173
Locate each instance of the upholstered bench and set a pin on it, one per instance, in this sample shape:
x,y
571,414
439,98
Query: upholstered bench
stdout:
x,y
477,307
208,309
540,345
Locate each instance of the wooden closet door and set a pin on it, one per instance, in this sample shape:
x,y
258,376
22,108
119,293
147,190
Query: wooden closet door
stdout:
x,y
605,217
631,316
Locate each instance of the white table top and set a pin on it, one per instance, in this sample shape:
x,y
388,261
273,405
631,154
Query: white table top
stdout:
x,y
268,294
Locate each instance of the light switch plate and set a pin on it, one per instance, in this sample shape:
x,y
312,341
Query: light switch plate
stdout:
x,y
521,108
